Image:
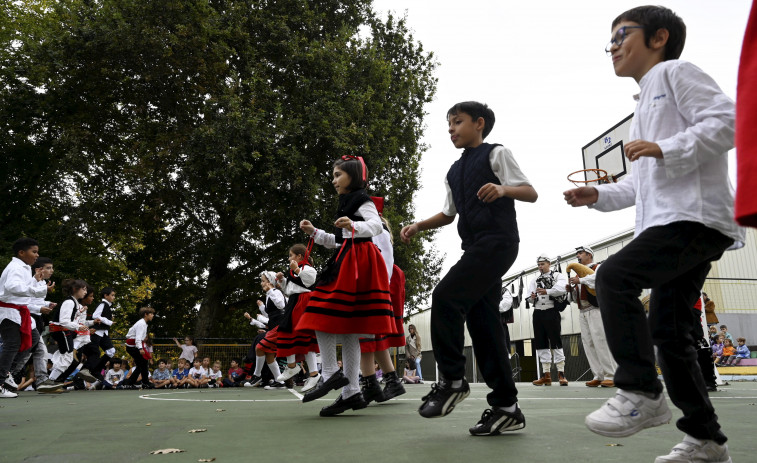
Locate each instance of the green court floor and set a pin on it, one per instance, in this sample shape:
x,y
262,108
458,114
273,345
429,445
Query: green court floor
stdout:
x,y
253,425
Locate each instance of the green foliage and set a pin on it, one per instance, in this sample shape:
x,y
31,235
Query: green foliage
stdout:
x,y
171,148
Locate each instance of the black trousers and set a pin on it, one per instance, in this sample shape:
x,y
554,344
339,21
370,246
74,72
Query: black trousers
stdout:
x,y
674,261
95,363
141,364
10,332
547,327
471,292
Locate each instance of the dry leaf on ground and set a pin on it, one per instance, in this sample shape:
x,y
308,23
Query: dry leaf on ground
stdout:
x,y
197,430
165,451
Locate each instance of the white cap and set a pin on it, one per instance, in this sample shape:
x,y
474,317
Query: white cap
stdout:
x,y
543,258
585,249
270,276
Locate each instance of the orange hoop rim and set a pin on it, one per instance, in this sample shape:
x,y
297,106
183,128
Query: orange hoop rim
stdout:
x,y
602,176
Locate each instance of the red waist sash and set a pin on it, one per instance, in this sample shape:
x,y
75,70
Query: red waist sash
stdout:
x,y
26,324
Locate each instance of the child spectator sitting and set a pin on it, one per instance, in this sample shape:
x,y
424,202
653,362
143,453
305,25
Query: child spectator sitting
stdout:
x,y
713,334
215,376
724,332
180,376
236,375
114,376
410,376
742,352
728,352
161,377
198,376
717,348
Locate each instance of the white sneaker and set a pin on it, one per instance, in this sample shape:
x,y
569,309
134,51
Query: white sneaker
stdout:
x,y
86,375
311,383
6,393
49,385
695,450
10,384
288,373
94,385
247,384
628,413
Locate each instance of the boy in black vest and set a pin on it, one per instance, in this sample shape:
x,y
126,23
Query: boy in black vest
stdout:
x,y
102,320
482,187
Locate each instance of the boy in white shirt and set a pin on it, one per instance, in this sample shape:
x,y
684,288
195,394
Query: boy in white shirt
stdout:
x,y
135,339
682,130
215,376
17,286
114,375
198,376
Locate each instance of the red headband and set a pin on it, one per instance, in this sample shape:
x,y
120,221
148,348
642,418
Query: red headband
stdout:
x,y
347,157
378,201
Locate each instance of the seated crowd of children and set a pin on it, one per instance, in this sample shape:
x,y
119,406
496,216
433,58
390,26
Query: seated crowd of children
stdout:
x,y
724,352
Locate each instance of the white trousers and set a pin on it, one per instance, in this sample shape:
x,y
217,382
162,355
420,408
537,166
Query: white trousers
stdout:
x,y
593,337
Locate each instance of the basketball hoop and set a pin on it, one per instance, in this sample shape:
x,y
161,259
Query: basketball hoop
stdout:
x,y
600,174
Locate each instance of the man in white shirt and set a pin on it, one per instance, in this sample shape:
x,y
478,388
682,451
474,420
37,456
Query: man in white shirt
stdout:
x,y
17,285
593,335
546,291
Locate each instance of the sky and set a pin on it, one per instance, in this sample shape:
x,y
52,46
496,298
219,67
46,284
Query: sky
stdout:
x,y
541,67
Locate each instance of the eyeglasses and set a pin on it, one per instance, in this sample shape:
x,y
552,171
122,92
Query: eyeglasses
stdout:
x,y
619,37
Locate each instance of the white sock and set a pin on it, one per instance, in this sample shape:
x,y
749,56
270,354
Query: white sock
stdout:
x,y
327,346
310,360
274,367
509,409
351,361
259,362
290,359
456,383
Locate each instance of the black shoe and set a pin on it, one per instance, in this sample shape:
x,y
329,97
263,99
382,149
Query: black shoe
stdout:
x,y
356,402
443,398
712,388
371,389
494,421
336,381
255,381
393,388
148,386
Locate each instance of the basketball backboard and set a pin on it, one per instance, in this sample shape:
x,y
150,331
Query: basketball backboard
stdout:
x,y
606,152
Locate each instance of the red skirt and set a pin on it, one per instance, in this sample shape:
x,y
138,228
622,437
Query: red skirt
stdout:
x,y
268,343
297,342
385,341
746,120
357,301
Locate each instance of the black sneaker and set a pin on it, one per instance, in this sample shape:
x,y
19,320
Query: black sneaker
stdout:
x,y
495,421
337,380
393,388
371,389
443,398
356,402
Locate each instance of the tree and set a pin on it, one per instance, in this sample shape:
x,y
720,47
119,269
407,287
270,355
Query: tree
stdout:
x,y
191,136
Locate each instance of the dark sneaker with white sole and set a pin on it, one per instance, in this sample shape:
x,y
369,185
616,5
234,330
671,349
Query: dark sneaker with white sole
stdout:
x,y
443,398
495,421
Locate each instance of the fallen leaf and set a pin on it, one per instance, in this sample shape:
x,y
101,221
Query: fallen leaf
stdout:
x,y
197,430
207,459
220,409
165,451
148,424
614,445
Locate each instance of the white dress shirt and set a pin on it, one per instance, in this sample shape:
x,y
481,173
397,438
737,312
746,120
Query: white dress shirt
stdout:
x,y
505,168
384,243
368,227
138,332
99,314
684,111
18,286
307,275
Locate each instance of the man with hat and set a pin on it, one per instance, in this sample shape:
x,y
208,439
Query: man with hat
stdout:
x,y
592,330
544,292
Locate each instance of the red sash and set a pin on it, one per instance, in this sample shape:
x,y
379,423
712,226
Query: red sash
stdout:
x,y
26,324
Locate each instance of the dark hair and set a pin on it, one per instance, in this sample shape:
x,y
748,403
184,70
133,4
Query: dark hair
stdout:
x,y
723,326
654,18
106,290
741,339
299,249
145,310
41,262
475,110
70,286
191,339
235,359
353,168
90,290
23,244
115,361
162,361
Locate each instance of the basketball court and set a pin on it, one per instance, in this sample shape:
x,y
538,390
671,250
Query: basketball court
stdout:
x,y
251,424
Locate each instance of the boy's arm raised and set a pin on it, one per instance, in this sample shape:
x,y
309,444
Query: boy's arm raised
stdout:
x,y
435,221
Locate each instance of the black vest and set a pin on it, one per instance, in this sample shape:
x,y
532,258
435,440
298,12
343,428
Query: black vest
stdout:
x,y
477,218
275,315
106,313
55,316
